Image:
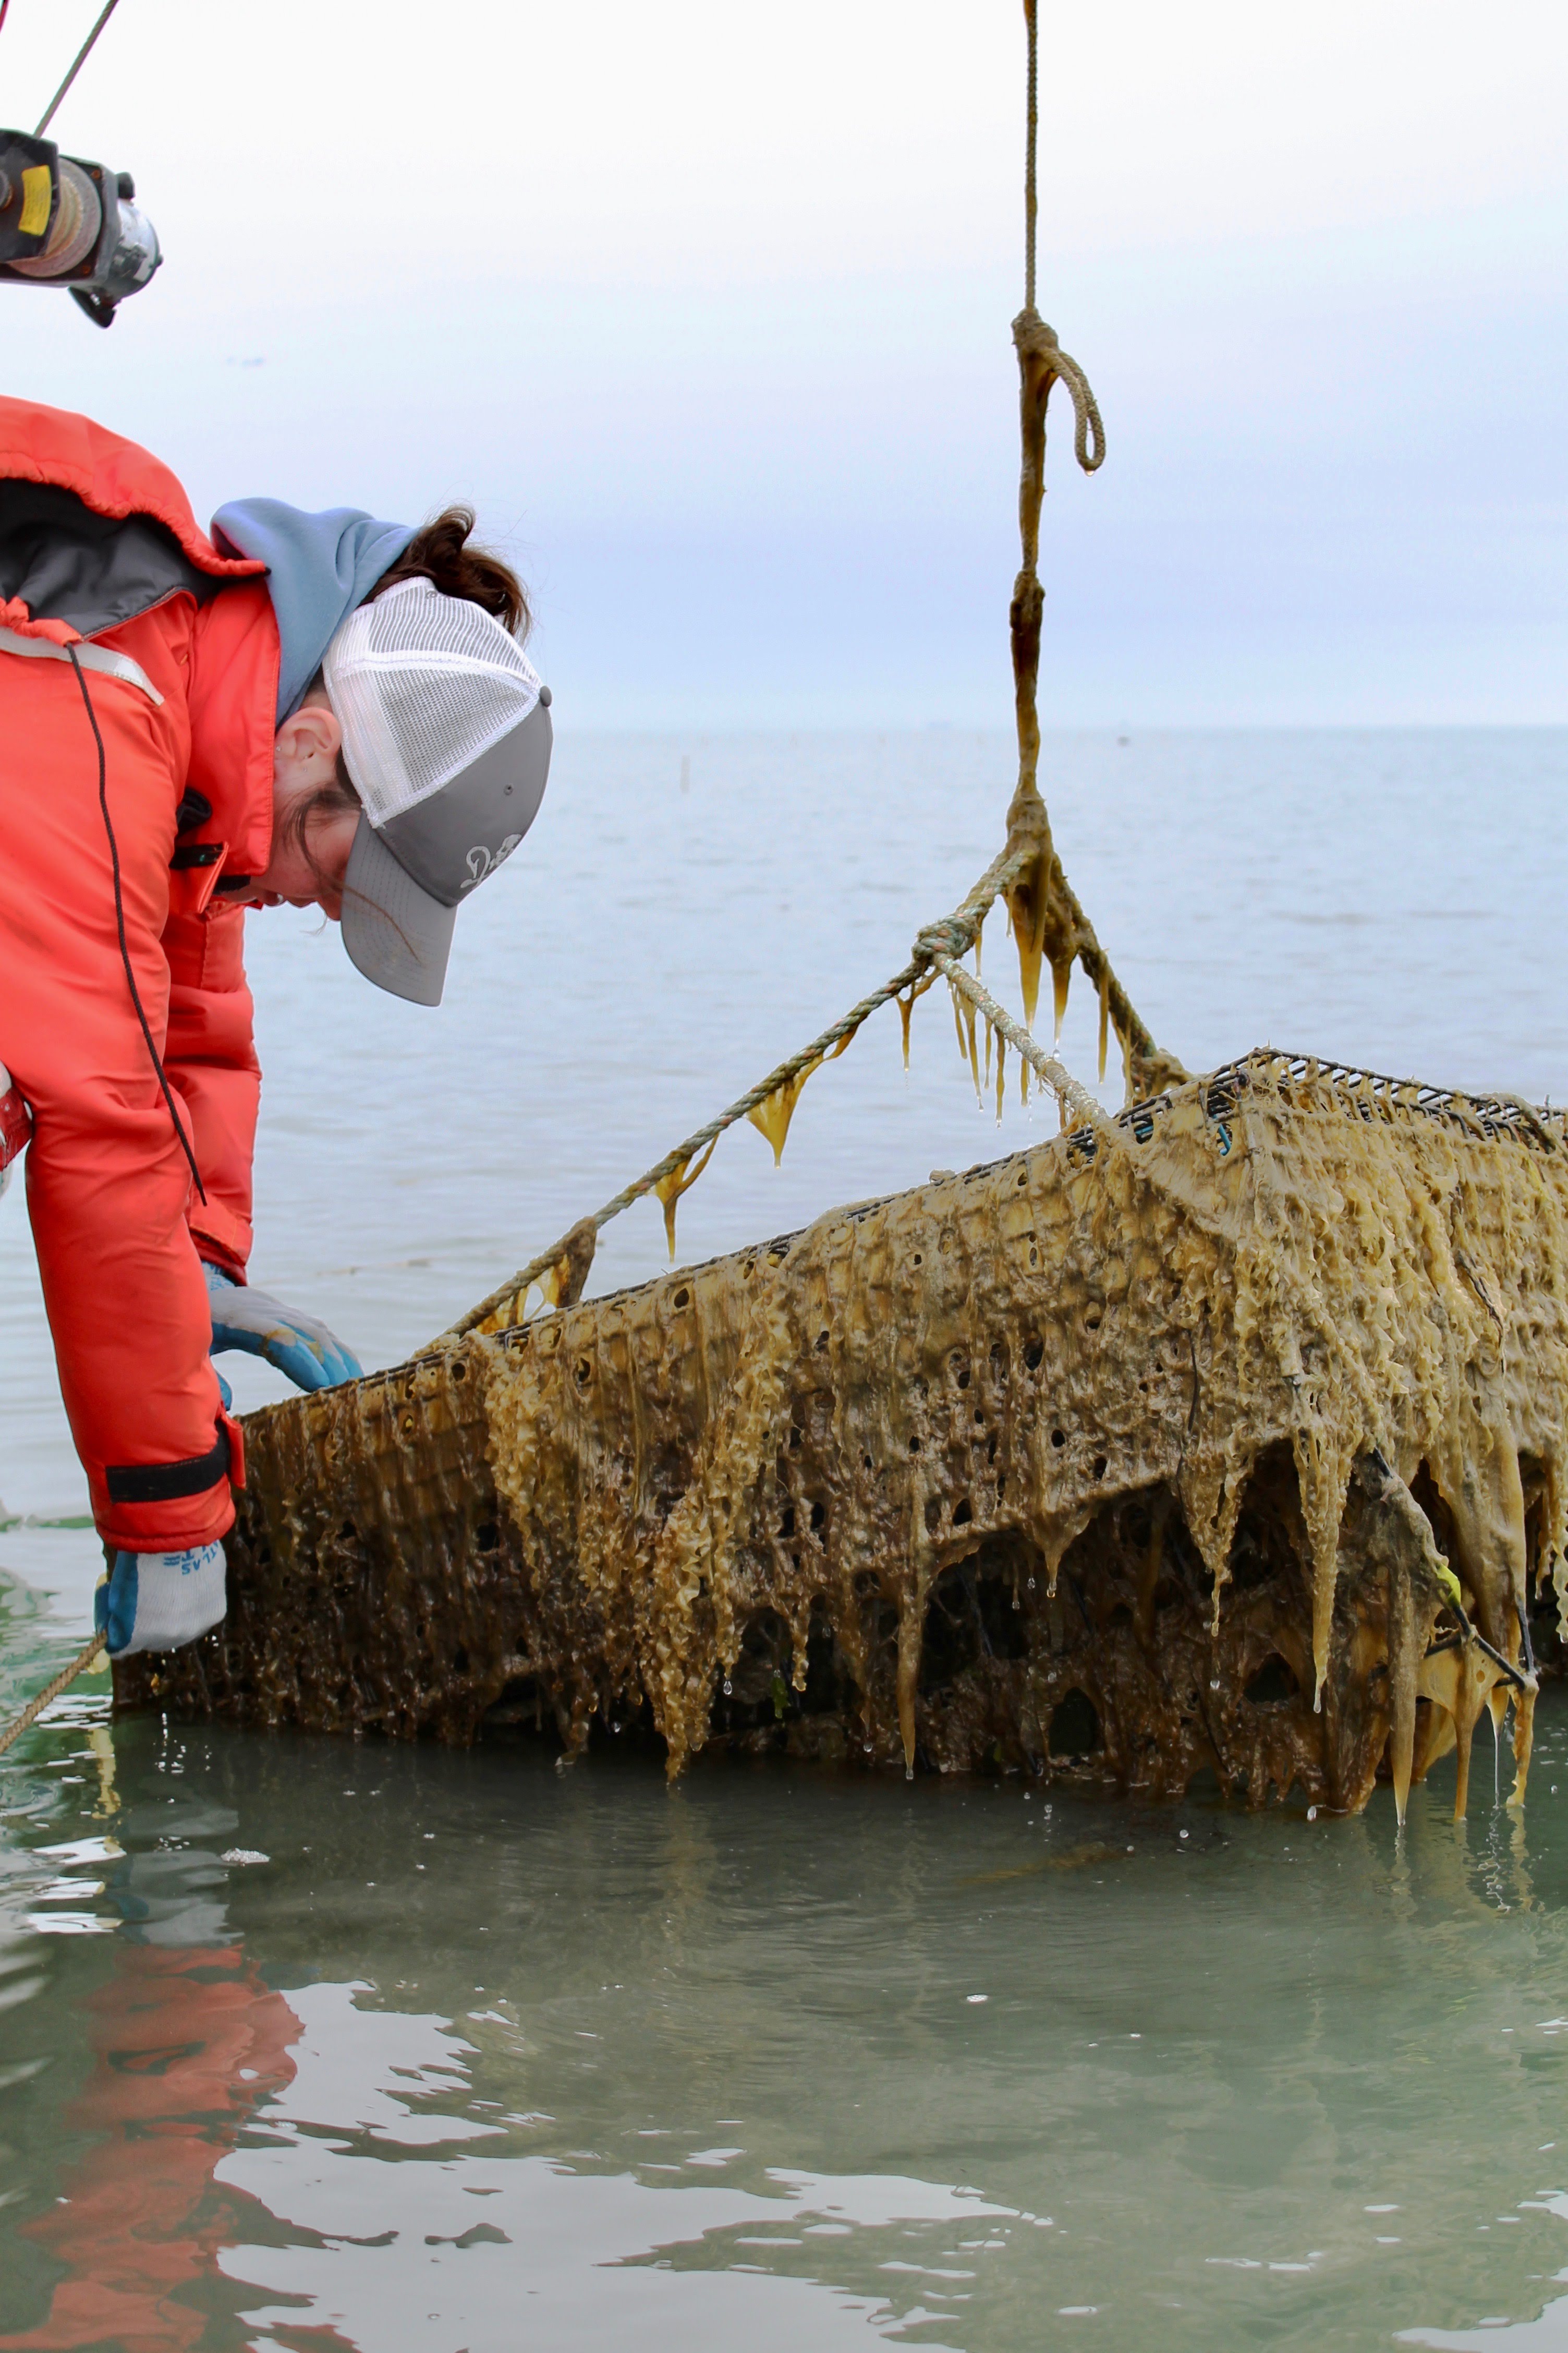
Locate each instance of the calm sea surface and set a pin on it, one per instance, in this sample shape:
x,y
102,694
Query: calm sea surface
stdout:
x,y
305,2045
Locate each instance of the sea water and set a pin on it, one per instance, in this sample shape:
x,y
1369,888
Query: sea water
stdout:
x,y
311,2043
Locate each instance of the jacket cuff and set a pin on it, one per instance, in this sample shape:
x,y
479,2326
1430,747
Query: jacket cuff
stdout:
x,y
221,1235
171,1506
210,1254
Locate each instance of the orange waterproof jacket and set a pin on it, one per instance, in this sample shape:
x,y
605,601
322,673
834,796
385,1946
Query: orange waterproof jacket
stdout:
x,y
119,1226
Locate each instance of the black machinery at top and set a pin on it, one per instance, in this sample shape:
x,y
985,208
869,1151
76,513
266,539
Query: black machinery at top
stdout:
x,y
68,222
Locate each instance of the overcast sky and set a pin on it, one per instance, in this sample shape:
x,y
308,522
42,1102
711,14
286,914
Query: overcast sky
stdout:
x,y
706,308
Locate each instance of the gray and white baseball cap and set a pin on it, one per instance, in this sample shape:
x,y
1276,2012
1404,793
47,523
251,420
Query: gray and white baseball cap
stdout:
x,y
446,735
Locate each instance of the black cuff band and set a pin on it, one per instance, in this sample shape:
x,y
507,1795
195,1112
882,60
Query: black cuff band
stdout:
x,y
167,1483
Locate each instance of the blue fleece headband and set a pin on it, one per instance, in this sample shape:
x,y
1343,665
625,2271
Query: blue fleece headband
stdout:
x,y
319,569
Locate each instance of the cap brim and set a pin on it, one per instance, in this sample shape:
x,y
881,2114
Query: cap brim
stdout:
x,y
397,934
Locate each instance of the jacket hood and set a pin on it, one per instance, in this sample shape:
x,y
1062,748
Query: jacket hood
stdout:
x,y
319,568
94,529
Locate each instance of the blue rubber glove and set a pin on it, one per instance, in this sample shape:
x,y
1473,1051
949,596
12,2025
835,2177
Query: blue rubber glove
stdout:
x,y
261,1325
159,1600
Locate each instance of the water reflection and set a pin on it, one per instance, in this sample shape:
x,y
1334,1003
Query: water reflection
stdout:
x,y
314,2045
411,2233
186,2044
327,2149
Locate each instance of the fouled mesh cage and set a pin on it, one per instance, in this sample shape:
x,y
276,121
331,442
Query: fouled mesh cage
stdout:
x,y
1223,1436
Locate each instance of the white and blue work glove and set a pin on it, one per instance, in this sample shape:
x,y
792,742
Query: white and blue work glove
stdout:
x,y
253,1320
159,1600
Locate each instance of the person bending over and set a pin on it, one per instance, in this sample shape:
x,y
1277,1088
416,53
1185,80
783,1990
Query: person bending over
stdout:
x,y
298,710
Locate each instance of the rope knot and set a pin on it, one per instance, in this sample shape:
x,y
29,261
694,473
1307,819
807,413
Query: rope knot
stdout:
x,y
1031,334
950,937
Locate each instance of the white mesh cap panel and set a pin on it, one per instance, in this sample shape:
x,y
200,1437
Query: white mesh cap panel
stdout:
x,y
422,684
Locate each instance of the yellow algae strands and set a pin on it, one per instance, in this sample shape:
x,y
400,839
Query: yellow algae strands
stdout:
x,y
670,1187
772,1115
964,1021
906,1004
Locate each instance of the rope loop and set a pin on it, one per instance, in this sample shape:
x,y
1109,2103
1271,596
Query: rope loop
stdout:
x,y
1036,340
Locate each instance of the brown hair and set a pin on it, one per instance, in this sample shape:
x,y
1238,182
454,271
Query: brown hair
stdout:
x,y
440,552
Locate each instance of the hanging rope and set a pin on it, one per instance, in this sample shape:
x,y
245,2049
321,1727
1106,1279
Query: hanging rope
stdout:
x,y
1031,140
1049,925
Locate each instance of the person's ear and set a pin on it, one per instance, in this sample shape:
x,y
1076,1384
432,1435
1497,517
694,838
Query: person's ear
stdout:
x,y
310,738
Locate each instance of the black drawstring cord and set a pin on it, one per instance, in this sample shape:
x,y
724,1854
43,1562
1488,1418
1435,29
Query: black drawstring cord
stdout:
x,y
119,921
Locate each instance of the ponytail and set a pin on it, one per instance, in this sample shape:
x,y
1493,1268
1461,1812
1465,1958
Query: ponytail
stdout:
x,y
440,554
